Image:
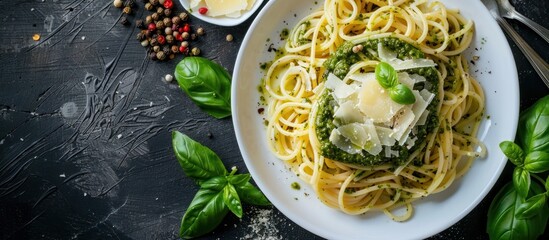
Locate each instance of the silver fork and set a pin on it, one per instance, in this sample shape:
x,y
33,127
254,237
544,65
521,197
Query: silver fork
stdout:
x,y
541,67
508,11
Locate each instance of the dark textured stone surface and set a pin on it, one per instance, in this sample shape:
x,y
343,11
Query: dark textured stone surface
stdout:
x,y
85,122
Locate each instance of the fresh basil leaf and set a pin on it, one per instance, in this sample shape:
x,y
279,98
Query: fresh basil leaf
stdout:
x,y
207,84
197,161
503,224
537,162
402,94
239,179
248,193
215,183
513,152
531,207
533,128
231,199
386,75
205,213
521,181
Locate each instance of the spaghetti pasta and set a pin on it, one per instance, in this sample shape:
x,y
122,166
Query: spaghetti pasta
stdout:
x,y
294,83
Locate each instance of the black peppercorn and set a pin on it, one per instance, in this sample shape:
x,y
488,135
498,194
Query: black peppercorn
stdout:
x,y
160,11
167,22
172,56
167,50
149,33
141,36
153,41
169,39
193,36
154,2
167,12
124,21
152,56
155,16
176,20
139,24
129,3
160,55
183,16
160,25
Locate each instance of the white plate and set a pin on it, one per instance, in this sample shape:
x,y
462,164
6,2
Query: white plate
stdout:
x,y
495,70
221,21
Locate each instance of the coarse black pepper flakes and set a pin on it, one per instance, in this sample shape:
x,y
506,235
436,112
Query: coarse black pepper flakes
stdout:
x,y
124,21
152,56
139,24
167,50
129,3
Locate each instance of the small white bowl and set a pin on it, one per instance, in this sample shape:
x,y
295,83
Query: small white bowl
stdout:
x,y
221,21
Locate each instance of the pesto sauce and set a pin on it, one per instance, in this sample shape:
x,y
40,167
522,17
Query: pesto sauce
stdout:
x,y
339,63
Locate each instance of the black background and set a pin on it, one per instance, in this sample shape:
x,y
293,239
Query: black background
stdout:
x,y
85,122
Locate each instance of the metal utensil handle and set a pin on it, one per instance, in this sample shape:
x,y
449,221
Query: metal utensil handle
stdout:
x,y
537,62
543,32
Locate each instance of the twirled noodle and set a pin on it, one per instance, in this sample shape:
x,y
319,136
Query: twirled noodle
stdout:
x,y
292,86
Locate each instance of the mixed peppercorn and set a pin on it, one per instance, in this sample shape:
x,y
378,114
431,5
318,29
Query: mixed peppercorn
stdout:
x,y
163,32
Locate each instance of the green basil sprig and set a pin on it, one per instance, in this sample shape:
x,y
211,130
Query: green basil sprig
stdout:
x,y
220,191
207,84
505,224
520,211
387,77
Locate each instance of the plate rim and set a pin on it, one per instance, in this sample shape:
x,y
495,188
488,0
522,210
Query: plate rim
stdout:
x,y
323,232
